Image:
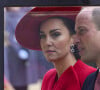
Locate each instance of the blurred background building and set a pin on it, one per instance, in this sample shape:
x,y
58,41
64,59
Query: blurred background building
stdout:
x,y
23,68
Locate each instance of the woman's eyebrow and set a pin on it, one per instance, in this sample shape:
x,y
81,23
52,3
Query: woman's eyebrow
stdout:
x,y
53,30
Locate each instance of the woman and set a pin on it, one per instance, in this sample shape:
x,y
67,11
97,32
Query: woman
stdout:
x,y
53,33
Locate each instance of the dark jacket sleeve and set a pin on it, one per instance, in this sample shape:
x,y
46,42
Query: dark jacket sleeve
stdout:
x,y
90,81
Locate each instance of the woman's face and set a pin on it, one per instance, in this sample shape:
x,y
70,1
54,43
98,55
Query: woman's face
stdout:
x,y
55,39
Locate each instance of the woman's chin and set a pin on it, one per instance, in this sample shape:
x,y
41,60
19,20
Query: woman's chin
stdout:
x,y
52,59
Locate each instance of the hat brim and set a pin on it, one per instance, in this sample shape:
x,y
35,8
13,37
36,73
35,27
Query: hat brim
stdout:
x,y
27,30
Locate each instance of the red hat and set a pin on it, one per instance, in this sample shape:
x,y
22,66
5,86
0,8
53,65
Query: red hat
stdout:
x,y
27,30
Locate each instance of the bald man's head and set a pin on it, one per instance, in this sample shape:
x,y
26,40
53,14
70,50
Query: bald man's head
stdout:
x,y
93,13
96,17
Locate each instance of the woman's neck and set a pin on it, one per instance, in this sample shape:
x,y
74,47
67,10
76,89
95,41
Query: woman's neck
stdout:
x,y
64,63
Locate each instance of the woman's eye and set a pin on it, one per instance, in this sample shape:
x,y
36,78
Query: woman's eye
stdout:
x,y
42,36
56,34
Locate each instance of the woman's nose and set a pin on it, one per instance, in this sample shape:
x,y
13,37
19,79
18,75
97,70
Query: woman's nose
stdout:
x,y
48,41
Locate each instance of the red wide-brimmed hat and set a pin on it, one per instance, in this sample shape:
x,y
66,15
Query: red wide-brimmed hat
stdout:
x,y
27,30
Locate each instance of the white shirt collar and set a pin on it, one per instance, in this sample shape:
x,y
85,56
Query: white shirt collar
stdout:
x,y
98,68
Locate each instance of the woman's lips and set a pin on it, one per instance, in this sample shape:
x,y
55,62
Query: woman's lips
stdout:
x,y
50,51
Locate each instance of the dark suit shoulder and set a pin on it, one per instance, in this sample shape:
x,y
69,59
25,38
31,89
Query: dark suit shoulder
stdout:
x,y
90,81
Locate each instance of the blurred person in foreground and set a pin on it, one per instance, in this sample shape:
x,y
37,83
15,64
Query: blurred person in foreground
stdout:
x,y
51,29
88,40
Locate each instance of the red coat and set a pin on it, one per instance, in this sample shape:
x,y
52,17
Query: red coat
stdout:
x,y
71,79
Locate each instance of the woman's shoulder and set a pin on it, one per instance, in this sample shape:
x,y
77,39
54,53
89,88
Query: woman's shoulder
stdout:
x,y
50,73
48,79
